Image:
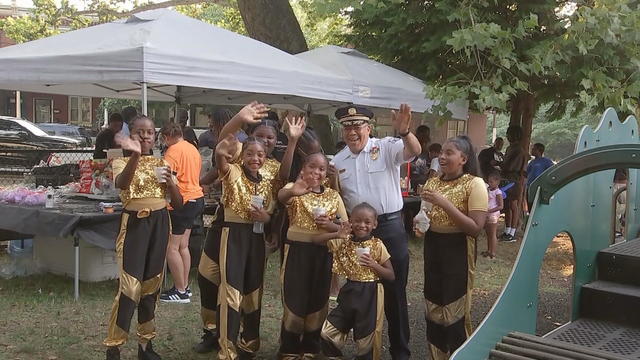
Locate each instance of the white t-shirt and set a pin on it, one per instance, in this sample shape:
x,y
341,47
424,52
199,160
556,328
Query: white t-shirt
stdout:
x,y
435,164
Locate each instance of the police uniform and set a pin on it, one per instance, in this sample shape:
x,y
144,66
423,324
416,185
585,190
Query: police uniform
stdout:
x,y
373,175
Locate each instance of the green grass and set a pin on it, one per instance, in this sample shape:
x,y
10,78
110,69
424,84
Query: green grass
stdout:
x,y
41,320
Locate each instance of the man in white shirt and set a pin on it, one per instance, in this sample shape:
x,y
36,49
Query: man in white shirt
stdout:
x,y
368,170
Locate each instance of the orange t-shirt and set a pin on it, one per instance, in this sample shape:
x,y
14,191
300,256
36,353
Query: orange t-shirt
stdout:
x,y
184,159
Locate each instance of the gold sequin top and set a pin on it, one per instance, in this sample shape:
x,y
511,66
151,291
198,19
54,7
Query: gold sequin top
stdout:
x,y
270,172
144,184
302,223
237,190
345,260
467,193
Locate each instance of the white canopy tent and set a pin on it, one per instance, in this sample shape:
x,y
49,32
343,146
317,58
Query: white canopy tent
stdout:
x,y
375,84
163,55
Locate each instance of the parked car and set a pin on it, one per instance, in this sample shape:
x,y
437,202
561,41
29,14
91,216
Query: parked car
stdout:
x,y
19,138
71,131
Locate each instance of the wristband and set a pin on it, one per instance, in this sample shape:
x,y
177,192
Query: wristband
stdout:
x,y
405,134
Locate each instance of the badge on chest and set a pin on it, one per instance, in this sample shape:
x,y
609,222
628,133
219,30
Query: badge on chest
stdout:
x,y
375,153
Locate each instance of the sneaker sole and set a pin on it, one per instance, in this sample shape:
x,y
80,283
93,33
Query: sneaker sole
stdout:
x,y
181,301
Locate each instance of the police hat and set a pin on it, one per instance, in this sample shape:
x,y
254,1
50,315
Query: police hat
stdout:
x,y
354,115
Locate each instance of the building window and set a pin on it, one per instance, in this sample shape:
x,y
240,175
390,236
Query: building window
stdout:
x,y
42,110
80,110
455,128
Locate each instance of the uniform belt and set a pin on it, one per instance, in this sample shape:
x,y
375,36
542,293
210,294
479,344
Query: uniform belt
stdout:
x,y
389,216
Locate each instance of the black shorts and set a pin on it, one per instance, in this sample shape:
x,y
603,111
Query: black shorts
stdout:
x,y
183,218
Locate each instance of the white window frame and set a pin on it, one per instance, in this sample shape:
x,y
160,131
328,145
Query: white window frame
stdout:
x,y
81,122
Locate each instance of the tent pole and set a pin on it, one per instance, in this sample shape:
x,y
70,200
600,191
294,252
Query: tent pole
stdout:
x,y
76,272
18,107
144,98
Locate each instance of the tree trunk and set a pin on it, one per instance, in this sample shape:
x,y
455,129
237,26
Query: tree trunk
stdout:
x,y
273,22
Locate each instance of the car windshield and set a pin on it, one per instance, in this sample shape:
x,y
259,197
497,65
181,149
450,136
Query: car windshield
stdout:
x,y
29,126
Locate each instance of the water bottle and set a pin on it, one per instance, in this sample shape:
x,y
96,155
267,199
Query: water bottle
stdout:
x,y
50,201
257,201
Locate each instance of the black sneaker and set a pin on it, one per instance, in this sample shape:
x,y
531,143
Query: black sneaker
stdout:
x,y
148,353
208,344
113,353
508,238
188,291
174,296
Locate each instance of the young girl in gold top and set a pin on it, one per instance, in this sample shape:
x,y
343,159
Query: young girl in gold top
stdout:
x,y
364,261
271,171
459,212
305,275
248,201
141,244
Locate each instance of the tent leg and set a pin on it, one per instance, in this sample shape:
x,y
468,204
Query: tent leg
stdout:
x,y
18,107
76,275
144,98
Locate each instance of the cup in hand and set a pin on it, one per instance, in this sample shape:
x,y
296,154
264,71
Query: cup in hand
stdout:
x,y
161,171
319,211
257,201
361,251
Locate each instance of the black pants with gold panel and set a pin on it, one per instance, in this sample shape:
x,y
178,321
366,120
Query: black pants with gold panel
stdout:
x,y
361,308
141,247
242,263
209,274
449,266
305,278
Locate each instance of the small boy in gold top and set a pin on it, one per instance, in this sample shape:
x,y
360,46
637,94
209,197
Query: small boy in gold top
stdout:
x,y
363,260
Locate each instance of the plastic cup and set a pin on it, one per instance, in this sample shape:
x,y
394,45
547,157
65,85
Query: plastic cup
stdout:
x,y
362,251
257,201
319,211
160,171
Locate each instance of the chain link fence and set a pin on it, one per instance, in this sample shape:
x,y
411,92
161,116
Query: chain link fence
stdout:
x,y
50,167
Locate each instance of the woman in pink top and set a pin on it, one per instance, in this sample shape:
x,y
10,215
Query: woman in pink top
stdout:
x,y
495,205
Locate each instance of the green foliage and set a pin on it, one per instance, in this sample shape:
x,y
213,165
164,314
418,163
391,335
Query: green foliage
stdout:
x,y
321,21
115,106
558,135
490,51
227,17
46,19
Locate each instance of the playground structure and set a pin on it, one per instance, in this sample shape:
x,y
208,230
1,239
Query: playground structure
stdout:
x,y
575,197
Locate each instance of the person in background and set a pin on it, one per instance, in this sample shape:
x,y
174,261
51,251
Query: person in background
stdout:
x,y
491,158
187,131
361,299
496,204
434,160
513,168
281,139
539,164
368,169
106,138
141,244
420,166
185,161
128,114
458,214
217,120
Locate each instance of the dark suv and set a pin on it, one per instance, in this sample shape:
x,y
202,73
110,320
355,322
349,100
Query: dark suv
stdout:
x,y
23,144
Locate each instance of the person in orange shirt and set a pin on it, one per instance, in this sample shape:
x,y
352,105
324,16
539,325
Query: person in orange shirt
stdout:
x,y
184,159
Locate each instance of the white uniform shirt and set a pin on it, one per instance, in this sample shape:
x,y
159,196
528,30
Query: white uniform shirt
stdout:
x,y
373,175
